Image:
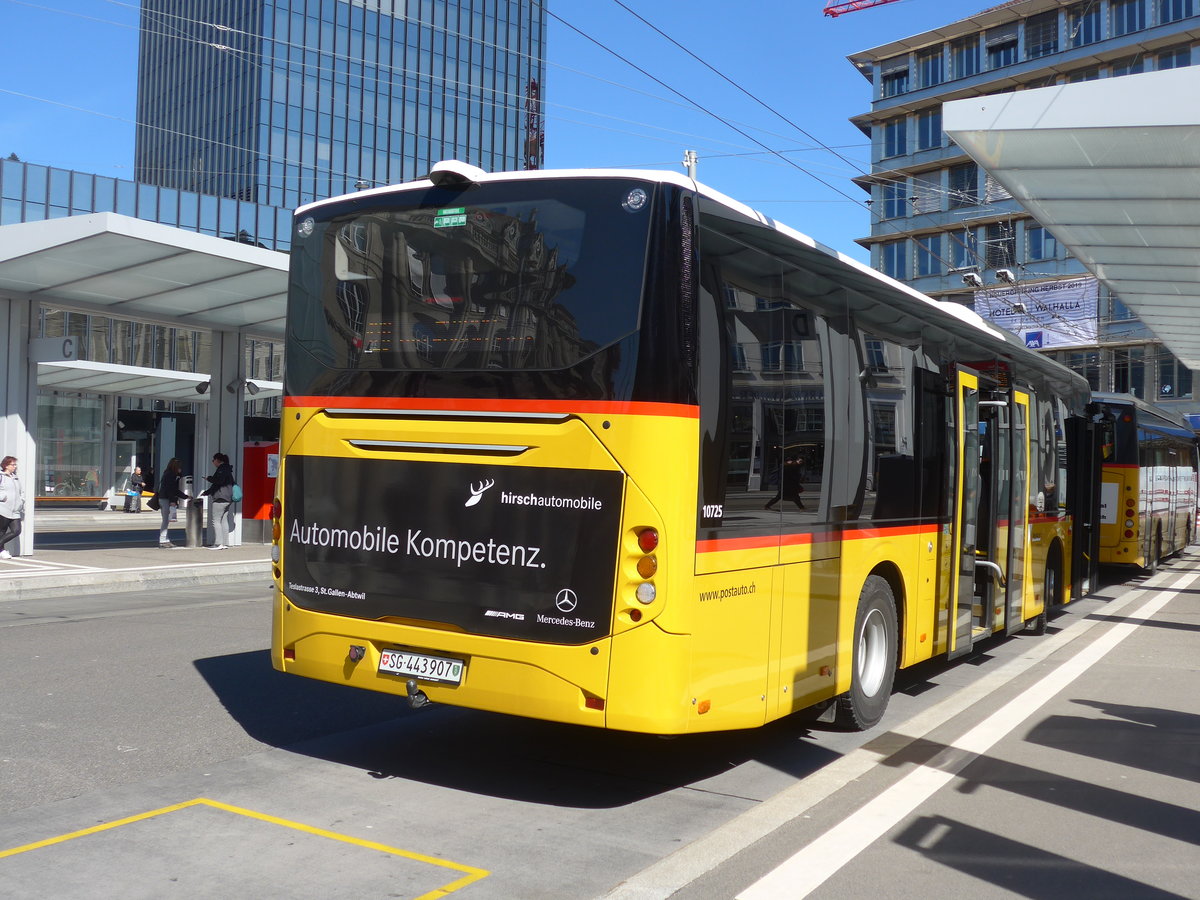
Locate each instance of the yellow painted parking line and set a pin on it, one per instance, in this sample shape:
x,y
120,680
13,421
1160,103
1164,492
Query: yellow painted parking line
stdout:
x,y
470,874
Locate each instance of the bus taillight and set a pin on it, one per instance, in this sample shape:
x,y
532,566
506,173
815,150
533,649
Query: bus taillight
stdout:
x,y
647,566
276,509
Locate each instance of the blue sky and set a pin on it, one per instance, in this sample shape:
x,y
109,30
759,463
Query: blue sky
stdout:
x,y
68,74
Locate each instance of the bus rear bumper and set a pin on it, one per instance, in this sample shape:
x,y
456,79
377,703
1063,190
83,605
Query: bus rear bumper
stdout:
x,y
555,682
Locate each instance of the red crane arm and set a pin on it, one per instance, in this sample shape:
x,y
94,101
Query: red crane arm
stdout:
x,y
836,8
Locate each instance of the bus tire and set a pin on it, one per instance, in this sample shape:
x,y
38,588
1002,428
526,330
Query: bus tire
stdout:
x,y
873,661
1051,588
1155,552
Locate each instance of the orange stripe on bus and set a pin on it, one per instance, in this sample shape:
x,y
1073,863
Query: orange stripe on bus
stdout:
x,y
747,543
455,404
824,537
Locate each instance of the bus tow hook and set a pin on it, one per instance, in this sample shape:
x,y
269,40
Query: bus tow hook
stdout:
x,y
416,697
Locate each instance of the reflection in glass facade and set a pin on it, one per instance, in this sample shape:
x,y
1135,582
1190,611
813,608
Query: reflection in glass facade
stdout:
x,y
291,101
30,193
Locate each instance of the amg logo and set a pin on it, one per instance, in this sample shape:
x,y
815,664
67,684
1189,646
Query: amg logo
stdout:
x,y
505,614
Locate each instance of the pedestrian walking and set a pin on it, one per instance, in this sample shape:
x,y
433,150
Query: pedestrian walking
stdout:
x,y
133,491
12,507
169,496
220,489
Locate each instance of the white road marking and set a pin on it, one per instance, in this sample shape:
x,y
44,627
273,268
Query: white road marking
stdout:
x,y
820,860
685,865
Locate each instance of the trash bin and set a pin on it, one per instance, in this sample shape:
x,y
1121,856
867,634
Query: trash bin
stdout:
x,y
194,522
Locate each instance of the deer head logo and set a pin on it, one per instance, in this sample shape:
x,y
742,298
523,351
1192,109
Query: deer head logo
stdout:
x,y
477,492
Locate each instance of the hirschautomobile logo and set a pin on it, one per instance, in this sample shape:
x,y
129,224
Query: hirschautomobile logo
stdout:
x,y
477,492
566,600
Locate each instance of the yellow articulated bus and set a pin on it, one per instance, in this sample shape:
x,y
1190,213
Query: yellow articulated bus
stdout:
x,y
1148,484
610,448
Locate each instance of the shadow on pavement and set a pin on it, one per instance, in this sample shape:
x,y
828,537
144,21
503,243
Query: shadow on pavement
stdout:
x,y
486,753
1181,823
1022,869
1126,738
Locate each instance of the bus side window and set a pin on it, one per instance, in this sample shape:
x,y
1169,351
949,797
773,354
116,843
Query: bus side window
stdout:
x,y
885,371
763,422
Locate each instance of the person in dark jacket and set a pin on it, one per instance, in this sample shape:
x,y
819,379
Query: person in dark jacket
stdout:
x,y
169,497
221,491
133,491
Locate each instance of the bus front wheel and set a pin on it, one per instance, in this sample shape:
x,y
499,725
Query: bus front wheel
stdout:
x,y
873,659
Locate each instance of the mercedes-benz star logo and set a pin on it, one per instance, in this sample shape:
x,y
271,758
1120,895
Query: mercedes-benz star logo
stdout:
x,y
565,600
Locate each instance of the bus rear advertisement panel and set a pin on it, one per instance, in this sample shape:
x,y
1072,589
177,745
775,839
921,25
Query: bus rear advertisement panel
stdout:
x,y
505,550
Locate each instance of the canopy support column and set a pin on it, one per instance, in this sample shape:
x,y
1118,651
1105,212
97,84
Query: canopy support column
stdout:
x,y
18,402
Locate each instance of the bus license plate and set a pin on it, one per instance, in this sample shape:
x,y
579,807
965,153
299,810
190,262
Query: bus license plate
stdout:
x,y
421,667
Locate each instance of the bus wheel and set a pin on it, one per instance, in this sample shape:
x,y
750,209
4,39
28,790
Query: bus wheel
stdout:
x,y
1050,597
874,658
1155,552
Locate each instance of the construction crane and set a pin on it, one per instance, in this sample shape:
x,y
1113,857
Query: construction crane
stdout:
x,y
836,8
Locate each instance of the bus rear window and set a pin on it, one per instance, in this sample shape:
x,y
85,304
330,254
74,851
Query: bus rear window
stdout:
x,y
496,277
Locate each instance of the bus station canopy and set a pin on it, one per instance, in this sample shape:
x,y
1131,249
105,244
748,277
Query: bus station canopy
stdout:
x,y
129,268
1112,169
85,376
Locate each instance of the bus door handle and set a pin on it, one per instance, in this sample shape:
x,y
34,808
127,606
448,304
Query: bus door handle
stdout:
x,y
995,567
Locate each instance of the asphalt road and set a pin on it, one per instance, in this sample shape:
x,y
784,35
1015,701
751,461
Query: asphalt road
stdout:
x,y
148,749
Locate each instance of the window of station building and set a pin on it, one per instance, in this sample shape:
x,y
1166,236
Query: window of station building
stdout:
x,y
1087,364
82,187
964,57
893,260
69,446
893,76
1118,311
1174,58
1130,65
1000,245
1035,83
1129,371
964,185
927,193
1040,243
1174,378
1128,16
895,137
931,67
994,191
894,197
1085,23
1001,45
929,254
964,248
1174,10
1041,35
929,129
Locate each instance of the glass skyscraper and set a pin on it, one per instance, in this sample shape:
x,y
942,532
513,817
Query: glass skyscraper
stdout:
x,y
281,102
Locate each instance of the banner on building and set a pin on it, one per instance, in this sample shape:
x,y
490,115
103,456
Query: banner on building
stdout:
x,y
1048,314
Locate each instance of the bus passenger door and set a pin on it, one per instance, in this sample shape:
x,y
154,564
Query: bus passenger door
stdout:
x,y
966,512
1018,518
